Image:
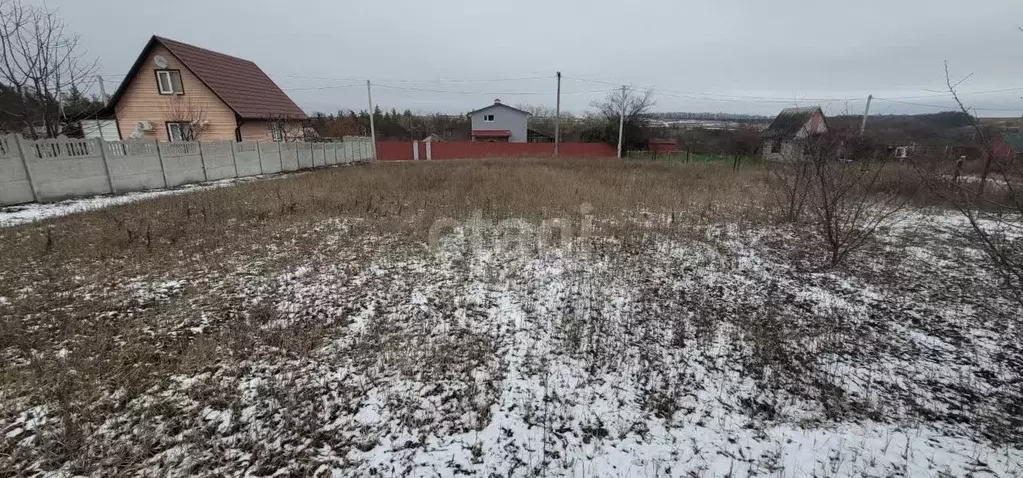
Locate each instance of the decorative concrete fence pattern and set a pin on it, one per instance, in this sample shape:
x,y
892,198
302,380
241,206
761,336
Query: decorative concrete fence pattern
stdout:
x,y
54,169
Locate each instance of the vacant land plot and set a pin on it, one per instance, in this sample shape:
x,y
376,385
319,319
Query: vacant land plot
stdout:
x,y
584,318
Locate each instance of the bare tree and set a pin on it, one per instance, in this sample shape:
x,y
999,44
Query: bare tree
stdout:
x,y
636,105
283,128
41,61
537,111
188,114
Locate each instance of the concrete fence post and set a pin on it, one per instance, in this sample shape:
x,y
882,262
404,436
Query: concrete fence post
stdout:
x,y
415,150
24,163
333,145
102,145
429,150
259,156
234,159
163,168
280,155
202,160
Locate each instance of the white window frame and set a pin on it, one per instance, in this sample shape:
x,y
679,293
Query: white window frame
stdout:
x,y
486,120
180,127
168,75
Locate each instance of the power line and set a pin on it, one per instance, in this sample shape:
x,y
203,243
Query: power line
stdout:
x,y
711,96
437,80
330,87
961,93
430,90
946,107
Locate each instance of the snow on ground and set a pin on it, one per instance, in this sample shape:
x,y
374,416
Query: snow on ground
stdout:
x,y
727,355
25,213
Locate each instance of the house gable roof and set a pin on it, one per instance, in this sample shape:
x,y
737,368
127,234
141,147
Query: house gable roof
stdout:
x,y
239,83
790,121
1014,140
498,105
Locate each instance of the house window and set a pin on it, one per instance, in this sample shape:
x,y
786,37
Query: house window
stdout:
x,y
278,132
168,82
776,147
179,131
488,118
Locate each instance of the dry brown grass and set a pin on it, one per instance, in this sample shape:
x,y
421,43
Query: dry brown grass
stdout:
x,y
393,196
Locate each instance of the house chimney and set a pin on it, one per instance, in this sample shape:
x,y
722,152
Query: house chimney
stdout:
x,y
497,101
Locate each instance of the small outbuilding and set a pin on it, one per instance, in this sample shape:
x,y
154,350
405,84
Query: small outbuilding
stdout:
x,y
782,140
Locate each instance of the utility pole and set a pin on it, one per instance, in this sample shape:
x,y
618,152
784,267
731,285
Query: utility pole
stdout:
x,y
102,88
372,127
863,125
621,124
557,119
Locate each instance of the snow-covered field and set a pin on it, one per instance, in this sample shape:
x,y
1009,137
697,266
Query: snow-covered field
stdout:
x,y
336,351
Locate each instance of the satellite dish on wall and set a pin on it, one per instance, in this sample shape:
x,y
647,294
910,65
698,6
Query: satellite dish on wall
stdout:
x,y
160,61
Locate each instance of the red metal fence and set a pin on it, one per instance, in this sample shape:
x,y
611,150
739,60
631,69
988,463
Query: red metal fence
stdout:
x,y
402,150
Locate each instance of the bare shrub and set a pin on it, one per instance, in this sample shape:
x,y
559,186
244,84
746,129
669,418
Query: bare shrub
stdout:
x,y
847,207
846,200
993,206
790,186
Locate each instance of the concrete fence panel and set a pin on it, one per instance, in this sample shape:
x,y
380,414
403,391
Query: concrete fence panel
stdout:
x,y
305,155
134,165
366,150
63,168
319,158
15,187
182,163
53,169
347,154
218,159
289,156
247,159
270,157
330,149
353,148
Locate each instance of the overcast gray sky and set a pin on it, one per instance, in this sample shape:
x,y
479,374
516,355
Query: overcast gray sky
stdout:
x,y
741,56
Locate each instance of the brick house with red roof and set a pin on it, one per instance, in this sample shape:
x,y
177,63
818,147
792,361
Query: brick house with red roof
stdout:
x,y
180,92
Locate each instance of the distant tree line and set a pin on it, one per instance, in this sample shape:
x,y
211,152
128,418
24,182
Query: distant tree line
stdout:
x,y
682,115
